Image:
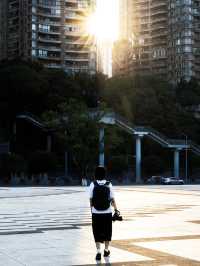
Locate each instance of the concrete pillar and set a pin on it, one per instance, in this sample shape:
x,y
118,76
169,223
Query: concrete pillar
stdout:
x,y
101,146
49,143
14,128
66,164
176,163
138,159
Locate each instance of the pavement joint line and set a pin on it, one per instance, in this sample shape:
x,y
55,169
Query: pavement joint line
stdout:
x,y
160,257
164,238
42,195
195,221
38,229
12,258
133,245
49,220
161,192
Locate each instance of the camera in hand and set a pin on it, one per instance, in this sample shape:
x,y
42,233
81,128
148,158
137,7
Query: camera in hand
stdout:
x,y
116,216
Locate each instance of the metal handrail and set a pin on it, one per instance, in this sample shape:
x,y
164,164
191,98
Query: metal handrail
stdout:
x,y
154,134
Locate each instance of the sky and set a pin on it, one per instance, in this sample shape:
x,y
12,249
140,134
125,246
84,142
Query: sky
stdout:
x,y
107,18
107,29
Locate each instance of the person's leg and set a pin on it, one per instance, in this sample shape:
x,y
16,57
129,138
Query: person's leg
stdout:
x,y
98,246
107,245
106,250
108,234
98,255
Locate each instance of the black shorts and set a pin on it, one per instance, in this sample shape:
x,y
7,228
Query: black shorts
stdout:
x,y
102,227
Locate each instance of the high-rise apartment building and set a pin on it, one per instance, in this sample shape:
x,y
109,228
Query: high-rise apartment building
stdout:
x,y
52,32
164,35
121,58
3,27
184,39
125,17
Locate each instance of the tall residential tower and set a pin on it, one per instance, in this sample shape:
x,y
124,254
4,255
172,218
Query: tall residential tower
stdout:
x,y
53,32
163,37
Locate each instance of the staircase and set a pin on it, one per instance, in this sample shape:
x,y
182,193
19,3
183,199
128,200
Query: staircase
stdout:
x,y
152,134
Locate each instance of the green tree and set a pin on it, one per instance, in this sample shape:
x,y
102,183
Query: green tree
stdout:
x,y
188,93
78,131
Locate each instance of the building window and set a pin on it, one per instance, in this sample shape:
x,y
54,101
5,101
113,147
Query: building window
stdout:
x,y
33,26
34,35
42,53
44,28
34,18
33,44
187,49
55,11
33,52
188,33
187,41
187,2
33,9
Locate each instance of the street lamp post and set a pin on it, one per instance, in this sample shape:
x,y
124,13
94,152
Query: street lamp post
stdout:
x,y
186,158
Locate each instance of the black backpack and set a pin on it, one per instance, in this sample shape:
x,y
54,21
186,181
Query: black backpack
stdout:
x,y
101,196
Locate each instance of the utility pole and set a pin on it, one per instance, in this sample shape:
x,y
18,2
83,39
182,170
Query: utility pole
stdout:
x,y
186,158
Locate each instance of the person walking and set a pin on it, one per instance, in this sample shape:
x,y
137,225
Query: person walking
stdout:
x,y
101,202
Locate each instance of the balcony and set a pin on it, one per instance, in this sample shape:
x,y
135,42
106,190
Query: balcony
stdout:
x,y
77,68
158,12
76,59
144,31
50,15
141,2
71,1
159,41
76,33
50,22
50,48
160,61
78,42
48,40
75,8
68,50
144,22
74,17
49,57
53,66
157,27
158,4
156,37
158,20
48,6
49,32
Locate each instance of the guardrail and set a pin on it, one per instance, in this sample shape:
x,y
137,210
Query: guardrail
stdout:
x,y
154,134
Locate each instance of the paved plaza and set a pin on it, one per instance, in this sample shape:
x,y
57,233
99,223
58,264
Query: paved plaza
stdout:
x,y
52,227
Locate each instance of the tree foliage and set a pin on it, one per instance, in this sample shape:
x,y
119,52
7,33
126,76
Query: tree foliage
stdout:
x,y
78,131
64,102
150,101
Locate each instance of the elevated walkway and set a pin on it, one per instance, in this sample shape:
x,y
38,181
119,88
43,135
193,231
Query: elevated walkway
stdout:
x,y
37,123
151,133
176,144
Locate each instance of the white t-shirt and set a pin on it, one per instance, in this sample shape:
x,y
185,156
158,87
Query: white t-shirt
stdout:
x,y
91,188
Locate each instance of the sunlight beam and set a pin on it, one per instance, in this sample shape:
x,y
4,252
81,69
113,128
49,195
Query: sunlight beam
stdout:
x,y
103,23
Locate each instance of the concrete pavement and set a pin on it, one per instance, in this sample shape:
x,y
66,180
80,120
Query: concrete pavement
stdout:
x,y
52,226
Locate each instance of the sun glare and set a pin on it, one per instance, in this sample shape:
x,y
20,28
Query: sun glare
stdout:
x,y
103,23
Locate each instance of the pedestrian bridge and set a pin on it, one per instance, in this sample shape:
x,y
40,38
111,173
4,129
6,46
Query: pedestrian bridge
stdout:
x,y
139,132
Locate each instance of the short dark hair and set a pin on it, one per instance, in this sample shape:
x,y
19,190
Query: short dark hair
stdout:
x,y
100,173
